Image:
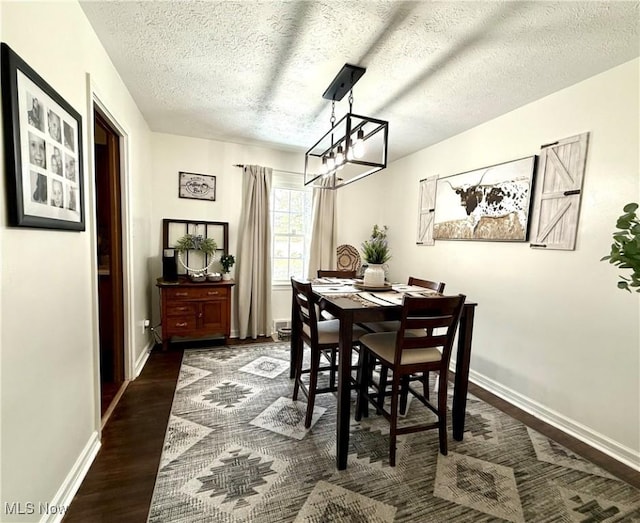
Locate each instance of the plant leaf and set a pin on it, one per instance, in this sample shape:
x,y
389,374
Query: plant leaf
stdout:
x,y
623,285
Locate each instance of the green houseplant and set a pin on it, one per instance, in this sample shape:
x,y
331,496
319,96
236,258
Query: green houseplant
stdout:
x,y
375,252
193,242
227,261
625,249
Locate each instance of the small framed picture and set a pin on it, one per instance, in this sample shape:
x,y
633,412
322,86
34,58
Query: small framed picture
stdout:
x,y
43,150
197,186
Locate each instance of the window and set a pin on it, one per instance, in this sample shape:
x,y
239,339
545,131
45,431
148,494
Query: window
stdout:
x,y
291,205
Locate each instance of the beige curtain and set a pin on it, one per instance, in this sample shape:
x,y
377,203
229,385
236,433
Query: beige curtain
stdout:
x,y
323,231
254,254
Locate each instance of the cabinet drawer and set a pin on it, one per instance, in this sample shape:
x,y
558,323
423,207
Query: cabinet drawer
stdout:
x,y
177,324
210,293
181,309
193,293
183,293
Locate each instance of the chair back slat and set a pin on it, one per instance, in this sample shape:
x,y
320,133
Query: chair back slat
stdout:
x,y
305,308
424,342
437,312
437,286
428,322
322,273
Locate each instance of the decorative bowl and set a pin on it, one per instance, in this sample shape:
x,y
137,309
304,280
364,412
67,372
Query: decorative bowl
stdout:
x,y
214,276
197,278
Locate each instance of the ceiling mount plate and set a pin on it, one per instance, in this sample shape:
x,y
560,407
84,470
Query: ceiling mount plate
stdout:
x,y
343,82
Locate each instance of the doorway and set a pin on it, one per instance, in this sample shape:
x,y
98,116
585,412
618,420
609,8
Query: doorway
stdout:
x,y
109,257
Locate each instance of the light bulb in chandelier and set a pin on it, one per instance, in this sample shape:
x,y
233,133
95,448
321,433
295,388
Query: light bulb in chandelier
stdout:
x,y
358,145
350,151
323,168
331,161
339,156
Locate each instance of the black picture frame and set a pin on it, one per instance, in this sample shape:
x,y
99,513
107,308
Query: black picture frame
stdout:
x,y
43,150
196,186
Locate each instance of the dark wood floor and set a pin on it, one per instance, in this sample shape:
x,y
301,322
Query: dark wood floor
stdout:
x,y
120,483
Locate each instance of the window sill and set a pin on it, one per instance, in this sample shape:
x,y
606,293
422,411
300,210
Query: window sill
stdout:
x,y
281,285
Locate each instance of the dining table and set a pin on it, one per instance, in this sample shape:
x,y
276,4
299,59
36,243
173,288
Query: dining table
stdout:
x,y
351,302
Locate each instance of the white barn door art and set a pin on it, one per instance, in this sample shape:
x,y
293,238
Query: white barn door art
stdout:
x,y
426,210
558,194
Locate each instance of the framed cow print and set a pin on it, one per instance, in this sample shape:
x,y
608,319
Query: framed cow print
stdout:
x,y
491,204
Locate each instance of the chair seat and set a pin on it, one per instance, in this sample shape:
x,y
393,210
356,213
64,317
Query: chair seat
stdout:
x,y
383,344
329,332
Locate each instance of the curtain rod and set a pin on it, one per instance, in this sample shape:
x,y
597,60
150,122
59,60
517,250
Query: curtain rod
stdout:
x,y
279,170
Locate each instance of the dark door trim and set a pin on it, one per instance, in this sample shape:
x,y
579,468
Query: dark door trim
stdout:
x,y
108,191
129,364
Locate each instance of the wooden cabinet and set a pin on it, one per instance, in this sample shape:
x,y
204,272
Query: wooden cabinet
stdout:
x,y
195,310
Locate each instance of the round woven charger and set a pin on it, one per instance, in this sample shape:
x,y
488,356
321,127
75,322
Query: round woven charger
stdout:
x,y
348,258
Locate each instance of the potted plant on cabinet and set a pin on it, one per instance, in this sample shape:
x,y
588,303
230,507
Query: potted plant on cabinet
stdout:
x,y
375,252
625,249
227,261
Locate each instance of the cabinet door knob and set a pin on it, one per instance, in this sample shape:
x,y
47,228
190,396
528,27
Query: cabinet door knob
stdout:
x,y
200,315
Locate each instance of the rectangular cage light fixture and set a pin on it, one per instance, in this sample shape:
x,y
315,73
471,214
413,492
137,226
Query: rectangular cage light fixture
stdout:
x,y
354,147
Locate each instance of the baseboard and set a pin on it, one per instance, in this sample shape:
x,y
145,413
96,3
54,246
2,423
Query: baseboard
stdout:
x,y
235,334
62,499
592,438
142,359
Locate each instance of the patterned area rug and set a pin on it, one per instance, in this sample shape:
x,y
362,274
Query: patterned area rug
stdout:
x,y
236,451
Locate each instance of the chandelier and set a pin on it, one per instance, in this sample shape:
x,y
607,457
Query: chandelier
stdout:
x,y
354,147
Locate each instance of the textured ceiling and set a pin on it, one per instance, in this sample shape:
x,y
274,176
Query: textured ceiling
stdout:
x,y
254,71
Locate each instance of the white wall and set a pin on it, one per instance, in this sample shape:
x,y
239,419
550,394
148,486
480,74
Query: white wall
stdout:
x,y
545,319
49,359
172,154
552,331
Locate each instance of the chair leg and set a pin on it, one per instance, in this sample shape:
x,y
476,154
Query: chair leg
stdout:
x,y
442,412
313,385
425,384
366,376
395,392
298,372
332,373
362,401
382,387
404,393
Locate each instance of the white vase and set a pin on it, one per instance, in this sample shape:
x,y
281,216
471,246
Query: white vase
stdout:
x,y
226,276
374,275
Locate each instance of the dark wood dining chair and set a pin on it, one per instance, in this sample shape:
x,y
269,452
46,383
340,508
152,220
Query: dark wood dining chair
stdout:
x,y
393,326
406,354
322,337
323,273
